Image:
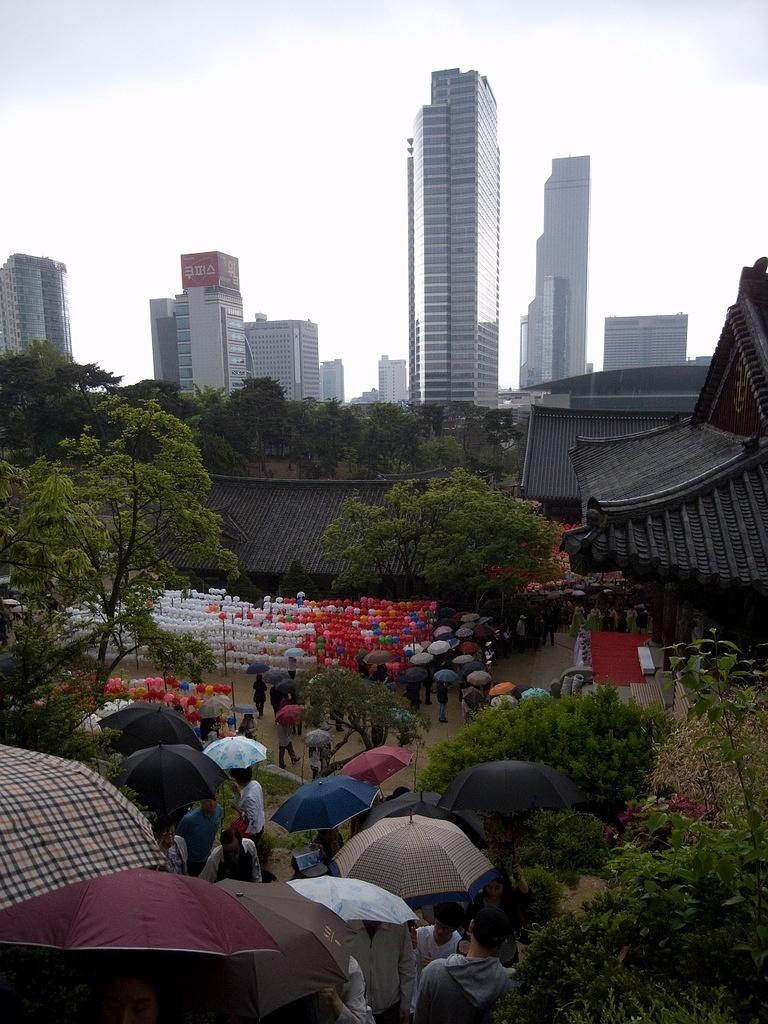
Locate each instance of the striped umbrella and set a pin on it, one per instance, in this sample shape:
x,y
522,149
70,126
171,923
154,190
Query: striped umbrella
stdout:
x,y
422,860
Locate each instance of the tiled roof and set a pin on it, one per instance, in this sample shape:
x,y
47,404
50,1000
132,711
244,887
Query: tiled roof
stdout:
x,y
269,523
547,471
711,528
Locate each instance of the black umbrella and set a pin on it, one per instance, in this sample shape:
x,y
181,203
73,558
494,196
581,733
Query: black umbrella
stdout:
x,y
257,668
414,675
286,687
144,724
472,666
426,805
444,612
275,675
511,786
167,777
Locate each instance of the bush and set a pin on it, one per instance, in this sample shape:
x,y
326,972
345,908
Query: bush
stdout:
x,y
267,843
659,1011
606,747
564,841
546,895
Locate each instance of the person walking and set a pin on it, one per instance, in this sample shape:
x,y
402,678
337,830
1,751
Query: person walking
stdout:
x,y
234,858
259,694
520,635
385,955
285,744
441,692
437,941
463,989
250,803
198,829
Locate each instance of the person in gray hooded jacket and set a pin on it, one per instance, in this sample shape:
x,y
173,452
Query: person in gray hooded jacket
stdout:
x,y
463,989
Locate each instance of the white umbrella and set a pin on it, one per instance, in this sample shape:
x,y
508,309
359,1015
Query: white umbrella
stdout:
x,y
11,603
354,900
236,752
438,647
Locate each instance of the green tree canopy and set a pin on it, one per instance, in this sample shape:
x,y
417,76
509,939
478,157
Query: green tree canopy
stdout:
x,y
444,536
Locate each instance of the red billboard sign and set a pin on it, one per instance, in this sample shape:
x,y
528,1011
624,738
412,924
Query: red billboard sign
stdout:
x,y
210,270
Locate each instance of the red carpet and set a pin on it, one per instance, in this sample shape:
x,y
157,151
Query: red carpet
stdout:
x,y
614,657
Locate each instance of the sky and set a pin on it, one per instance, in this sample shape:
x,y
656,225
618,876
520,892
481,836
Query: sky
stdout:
x,y
131,133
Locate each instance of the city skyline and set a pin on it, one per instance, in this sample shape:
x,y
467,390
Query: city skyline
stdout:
x,y
123,203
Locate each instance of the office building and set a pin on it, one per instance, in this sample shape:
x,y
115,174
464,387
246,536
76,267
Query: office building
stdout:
x,y
286,351
34,304
392,383
332,380
453,243
206,319
644,341
555,340
367,398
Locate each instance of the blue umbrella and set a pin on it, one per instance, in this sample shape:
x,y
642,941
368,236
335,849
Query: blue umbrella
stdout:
x,y
295,652
414,675
257,668
446,675
236,752
324,803
535,691
472,666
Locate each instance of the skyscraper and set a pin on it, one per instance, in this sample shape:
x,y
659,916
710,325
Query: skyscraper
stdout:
x,y
286,351
392,382
644,341
34,304
207,321
332,380
453,243
557,318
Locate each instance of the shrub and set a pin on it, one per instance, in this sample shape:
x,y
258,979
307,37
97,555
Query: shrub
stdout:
x,y
606,747
546,895
564,841
659,1011
266,845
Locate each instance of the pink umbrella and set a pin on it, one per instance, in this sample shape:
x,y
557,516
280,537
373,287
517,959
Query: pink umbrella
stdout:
x,y
137,909
445,631
289,715
374,766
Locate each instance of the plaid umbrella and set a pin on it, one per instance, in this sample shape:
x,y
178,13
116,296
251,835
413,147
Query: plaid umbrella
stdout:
x,y
422,860
378,657
470,617
61,823
464,632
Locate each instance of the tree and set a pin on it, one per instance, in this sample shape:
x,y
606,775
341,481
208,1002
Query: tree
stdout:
x,y
296,578
389,440
105,525
444,536
364,709
257,419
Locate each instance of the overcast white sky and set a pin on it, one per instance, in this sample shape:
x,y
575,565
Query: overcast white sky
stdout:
x,y
133,132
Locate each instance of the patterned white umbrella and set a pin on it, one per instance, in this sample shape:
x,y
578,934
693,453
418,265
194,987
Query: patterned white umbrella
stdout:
x,y
421,860
60,823
236,752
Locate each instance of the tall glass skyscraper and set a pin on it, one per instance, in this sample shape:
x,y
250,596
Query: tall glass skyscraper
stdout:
x,y
34,304
556,337
453,243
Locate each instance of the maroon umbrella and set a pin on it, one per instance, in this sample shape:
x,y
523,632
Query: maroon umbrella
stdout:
x,y
289,715
374,766
483,632
137,910
468,647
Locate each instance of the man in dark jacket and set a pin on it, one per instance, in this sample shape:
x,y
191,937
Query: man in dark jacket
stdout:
x,y
464,989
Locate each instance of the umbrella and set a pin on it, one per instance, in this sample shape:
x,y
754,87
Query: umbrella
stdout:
x,y
472,666
236,752
317,738
468,647
422,860
426,805
443,631
422,659
143,725
308,934
535,691
295,652
483,632
214,706
170,776
463,659
446,675
470,617
111,707
275,675
511,786
414,675
464,632
137,909
437,647
257,668
378,657
444,612
579,593
91,724
245,709
11,602
504,700
374,766
479,678
324,803
286,687
502,688
289,715
354,900
70,825
474,698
